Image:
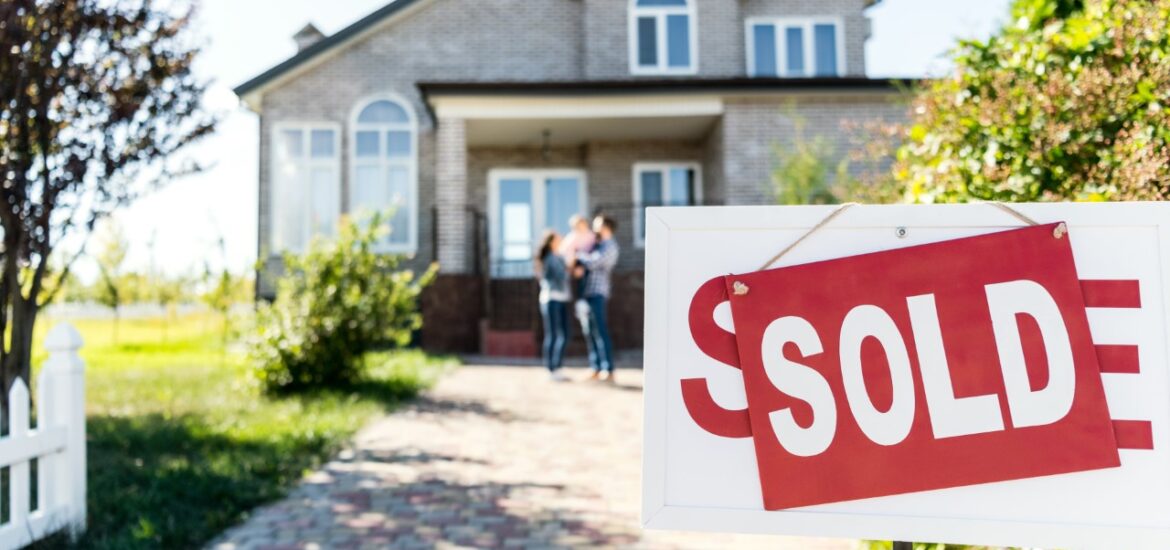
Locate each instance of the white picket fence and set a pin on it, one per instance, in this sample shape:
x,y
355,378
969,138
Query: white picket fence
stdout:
x,y
57,444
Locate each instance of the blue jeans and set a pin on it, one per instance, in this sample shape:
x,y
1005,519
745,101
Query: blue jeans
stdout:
x,y
596,329
556,332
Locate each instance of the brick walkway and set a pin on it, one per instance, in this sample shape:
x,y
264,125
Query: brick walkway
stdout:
x,y
492,457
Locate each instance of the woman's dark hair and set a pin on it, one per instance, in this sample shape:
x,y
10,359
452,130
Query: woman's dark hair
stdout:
x,y
546,244
608,222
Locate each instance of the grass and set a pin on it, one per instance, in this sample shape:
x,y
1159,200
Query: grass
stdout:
x,y
181,445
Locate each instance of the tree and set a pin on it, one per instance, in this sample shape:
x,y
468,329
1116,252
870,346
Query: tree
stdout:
x,y
220,295
96,97
801,175
163,290
1070,101
111,290
167,292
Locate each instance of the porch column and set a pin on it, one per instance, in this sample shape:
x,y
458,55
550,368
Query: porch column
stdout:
x,y
451,195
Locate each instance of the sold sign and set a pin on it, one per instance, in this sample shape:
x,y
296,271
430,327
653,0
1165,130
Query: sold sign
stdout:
x,y
944,365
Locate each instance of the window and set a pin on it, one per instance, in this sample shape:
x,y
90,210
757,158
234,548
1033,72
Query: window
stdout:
x,y
522,204
795,47
385,170
306,184
663,184
662,37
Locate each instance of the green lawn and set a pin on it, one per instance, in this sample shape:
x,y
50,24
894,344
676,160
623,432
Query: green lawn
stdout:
x,y
182,445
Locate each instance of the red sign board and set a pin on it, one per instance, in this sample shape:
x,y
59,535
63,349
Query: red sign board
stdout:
x,y
944,365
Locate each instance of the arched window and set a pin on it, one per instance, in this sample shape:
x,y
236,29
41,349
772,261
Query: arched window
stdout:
x,y
662,37
385,169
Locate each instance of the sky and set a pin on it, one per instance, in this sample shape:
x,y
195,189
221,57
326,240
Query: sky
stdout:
x,y
186,219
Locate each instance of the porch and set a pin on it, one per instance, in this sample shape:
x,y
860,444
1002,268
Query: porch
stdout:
x,y
523,165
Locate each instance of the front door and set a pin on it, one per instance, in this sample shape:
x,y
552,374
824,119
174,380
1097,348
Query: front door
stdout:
x,y
522,204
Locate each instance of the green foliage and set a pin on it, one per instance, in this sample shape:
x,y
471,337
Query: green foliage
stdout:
x,y
112,254
65,287
1035,14
801,175
110,287
179,450
803,167
168,292
338,301
1070,101
97,100
886,545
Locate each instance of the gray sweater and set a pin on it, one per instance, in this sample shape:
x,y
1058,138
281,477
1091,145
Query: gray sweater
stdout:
x,y
554,279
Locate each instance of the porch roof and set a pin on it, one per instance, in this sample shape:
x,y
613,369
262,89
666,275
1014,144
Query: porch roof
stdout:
x,y
664,86
570,113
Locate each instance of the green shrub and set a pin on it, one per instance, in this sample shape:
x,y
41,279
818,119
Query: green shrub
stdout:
x,y
336,302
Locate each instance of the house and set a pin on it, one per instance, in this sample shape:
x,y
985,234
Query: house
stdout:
x,y
481,122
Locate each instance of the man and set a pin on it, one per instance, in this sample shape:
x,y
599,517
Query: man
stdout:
x,y
599,264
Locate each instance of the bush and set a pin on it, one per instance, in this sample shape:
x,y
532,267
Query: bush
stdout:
x,y
336,302
1071,101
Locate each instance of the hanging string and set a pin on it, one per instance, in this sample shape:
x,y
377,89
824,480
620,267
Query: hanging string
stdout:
x,y
1019,215
842,208
839,210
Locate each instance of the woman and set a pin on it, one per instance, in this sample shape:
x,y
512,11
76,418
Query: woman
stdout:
x,y
553,274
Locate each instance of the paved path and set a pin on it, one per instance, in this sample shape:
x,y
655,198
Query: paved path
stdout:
x,y
492,457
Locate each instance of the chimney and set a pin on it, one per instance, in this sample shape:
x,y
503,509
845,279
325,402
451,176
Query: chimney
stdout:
x,y
307,37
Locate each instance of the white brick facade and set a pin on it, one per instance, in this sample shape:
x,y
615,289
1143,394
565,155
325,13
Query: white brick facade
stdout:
x,y
553,41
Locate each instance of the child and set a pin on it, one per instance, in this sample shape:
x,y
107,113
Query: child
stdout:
x,y
580,240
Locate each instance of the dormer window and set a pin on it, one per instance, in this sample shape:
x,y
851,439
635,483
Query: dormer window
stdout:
x,y
662,37
784,47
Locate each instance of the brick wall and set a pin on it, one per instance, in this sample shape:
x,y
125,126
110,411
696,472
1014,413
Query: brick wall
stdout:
x,y
481,160
611,166
625,313
721,31
513,40
440,40
452,307
714,180
535,40
450,193
608,168
850,11
754,127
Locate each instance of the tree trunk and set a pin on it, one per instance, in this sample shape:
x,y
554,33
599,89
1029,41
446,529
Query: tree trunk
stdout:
x,y
18,361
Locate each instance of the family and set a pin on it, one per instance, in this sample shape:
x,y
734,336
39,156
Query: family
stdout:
x,y
578,265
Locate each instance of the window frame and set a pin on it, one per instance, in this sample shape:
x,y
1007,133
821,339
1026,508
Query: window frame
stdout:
x,y
307,164
660,166
808,24
539,205
660,13
410,247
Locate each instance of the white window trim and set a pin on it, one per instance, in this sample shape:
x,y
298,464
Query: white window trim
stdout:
x,y
411,246
536,175
664,167
659,13
807,23
308,164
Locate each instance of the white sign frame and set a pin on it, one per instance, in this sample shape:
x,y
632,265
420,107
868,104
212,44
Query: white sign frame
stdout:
x,y
665,226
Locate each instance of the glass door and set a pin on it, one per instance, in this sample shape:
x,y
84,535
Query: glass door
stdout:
x,y
523,203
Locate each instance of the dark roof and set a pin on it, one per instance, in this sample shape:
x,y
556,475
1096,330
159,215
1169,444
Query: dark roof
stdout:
x,y
325,44
663,85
